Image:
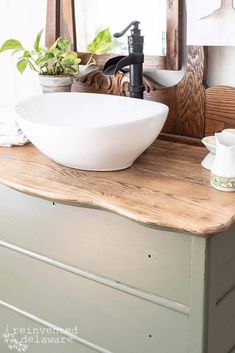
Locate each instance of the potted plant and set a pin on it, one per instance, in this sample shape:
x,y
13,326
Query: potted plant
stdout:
x,y
56,65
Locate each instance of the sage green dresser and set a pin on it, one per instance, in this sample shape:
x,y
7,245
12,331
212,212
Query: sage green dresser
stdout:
x,y
121,286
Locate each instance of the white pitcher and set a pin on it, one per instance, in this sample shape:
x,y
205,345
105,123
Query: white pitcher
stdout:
x,y
223,170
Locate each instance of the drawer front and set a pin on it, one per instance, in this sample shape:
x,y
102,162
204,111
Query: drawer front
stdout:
x,y
117,321
35,337
101,242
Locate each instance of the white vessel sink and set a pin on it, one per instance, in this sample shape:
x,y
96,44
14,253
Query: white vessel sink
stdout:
x,y
91,131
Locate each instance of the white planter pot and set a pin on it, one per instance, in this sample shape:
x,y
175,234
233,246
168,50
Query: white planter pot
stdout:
x,y
54,84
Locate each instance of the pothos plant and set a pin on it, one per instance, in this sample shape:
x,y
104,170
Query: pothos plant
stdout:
x,y
58,59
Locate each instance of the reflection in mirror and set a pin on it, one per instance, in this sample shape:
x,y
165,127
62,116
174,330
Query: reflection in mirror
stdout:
x,y
94,15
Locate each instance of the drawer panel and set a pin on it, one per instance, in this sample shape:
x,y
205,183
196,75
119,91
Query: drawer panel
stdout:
x,y
101,242
33,335
109,318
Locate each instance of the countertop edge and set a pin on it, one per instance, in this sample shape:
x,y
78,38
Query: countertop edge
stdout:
x,y
200,232
166,188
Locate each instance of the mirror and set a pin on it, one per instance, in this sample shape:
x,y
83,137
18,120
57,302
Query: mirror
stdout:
x,y
94,15
79,21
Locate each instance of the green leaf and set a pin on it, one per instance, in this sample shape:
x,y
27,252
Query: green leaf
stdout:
x,y
26,54
42,60
70,59
57,52
37,41
11,44
49,55
51,62
39,58
101,43
61,44
77,61
70,53
21,65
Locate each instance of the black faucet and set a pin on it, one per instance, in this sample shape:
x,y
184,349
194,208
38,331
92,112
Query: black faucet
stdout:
x,y
135,60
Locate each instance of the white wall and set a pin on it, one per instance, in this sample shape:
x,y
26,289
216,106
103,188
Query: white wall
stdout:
x,y
19,19
221,69
221,66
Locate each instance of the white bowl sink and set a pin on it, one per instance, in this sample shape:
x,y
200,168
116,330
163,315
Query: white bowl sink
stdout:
x,y
91,131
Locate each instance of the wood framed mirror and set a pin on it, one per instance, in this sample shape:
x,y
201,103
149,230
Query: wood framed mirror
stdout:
x,y
61,20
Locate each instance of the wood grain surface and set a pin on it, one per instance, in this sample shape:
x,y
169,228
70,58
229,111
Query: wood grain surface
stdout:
x,y
67,21
52,22
191,95
220,109
174,34
166,187
60,21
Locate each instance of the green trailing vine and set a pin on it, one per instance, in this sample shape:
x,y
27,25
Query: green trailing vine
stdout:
x,y
58,59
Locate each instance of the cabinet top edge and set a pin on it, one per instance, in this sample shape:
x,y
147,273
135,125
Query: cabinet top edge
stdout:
x,y
166,187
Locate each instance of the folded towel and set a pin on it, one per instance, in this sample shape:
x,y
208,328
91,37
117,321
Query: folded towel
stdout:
x,y
8,141
6,130
10,133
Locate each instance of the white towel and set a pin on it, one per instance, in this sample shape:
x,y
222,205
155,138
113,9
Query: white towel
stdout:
x,y
10,133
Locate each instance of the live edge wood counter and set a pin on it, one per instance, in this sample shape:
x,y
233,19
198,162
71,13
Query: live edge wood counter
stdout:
x,y
166,187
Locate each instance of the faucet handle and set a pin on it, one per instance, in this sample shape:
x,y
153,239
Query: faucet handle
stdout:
x,y
134,31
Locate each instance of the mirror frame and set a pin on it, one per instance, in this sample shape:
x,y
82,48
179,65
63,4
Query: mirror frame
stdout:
x,y
61,22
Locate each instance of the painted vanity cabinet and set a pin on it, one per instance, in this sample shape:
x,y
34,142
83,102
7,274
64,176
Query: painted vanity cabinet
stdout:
x,y
126,287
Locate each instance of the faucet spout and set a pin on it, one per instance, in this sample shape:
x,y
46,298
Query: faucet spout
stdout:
x,y
134,60
113,65
117,63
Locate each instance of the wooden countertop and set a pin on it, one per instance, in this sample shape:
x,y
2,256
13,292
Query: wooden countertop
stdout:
x,y
166,187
